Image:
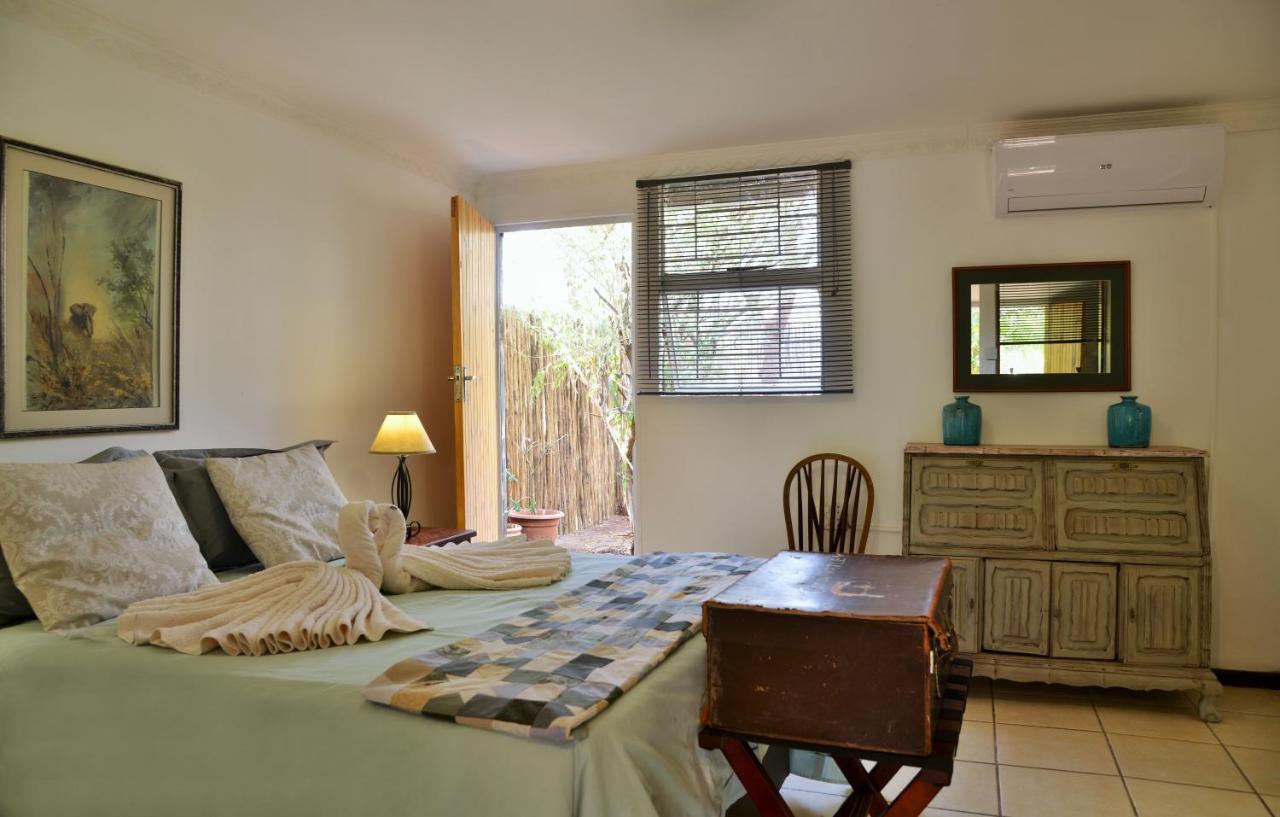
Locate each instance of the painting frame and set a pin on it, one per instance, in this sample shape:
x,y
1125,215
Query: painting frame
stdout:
x,y
161,304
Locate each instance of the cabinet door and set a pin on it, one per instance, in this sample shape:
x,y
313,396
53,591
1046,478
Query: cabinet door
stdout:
x,y
1162,615
966,603
1084,611
1127,506
1016,610
977,502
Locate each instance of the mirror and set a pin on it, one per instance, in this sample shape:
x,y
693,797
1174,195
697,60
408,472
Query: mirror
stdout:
x,y
1041,327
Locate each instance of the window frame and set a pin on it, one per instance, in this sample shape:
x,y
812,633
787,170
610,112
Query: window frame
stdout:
x,y
745,280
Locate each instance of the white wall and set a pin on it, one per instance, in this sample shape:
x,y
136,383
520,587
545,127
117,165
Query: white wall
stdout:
x,y
1246,446
315,288
710,470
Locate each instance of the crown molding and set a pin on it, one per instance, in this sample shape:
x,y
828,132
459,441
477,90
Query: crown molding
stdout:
x,y
1235,117
93,31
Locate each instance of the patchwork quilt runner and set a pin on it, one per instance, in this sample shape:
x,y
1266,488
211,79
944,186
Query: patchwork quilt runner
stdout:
x,y
547,671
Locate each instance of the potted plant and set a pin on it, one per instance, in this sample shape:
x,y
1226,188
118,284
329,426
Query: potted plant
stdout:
x,y
535,523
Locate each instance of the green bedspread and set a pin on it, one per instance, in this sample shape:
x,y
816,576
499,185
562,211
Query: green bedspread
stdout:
x,y
92,726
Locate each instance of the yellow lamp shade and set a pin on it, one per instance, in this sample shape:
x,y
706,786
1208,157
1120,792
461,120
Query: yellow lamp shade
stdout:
x,y
402,433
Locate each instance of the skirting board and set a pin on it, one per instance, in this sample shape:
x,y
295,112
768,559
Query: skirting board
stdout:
x,y
1248,678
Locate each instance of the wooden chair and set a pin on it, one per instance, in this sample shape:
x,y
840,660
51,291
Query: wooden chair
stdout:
x,y
827,500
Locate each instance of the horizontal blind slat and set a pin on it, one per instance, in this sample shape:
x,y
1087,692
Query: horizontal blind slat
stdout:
x,y
744,284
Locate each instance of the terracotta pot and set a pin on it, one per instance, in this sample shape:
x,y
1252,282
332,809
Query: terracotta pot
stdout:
x,y
538,524
512,529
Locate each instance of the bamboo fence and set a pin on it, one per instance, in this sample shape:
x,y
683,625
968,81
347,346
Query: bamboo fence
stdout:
x,y
558,447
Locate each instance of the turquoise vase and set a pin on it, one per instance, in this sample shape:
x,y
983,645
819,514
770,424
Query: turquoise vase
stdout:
x,y
1129,423
961,422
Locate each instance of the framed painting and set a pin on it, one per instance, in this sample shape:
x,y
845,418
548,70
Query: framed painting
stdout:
x,y
88,295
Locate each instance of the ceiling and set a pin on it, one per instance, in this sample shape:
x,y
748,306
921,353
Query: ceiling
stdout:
x,y
497,86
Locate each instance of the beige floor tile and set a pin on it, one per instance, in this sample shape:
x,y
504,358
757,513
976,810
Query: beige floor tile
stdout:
x,y
977,743
811,804
1157,698
1043,710
1273,803
1020,688
799,783
1251,701
1260,766
972,789
1155,799
978,710
1177,761
1049,793
1154,723
1067,750
1251,731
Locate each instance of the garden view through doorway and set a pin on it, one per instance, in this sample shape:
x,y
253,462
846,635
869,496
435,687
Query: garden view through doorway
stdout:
x,y
568,398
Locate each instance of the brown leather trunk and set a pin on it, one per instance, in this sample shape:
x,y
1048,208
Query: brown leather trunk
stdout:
x,y
831,649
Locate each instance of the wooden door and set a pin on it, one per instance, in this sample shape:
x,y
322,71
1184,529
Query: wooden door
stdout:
x,y
475,371
1084,611
1162,615
966,603
1016,608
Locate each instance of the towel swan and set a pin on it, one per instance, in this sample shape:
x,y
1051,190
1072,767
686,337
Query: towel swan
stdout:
x,y
313,605
290,607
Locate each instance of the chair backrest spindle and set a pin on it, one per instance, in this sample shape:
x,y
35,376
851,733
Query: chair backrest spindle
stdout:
x,y
830,511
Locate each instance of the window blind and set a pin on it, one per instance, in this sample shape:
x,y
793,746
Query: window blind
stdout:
x,y
744,283
1049,312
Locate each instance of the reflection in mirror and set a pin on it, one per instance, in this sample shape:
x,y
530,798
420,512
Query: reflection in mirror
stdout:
x,y
1042,327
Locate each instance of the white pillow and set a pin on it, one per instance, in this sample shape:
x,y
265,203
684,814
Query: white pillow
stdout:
x,y
84,541
285,506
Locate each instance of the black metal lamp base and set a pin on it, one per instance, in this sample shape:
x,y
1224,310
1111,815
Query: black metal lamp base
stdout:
x,y
402,496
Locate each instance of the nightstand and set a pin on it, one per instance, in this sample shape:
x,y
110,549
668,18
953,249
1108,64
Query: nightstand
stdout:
x,y
435,537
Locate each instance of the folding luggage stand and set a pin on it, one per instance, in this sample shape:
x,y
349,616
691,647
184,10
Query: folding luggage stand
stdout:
x,y
867,799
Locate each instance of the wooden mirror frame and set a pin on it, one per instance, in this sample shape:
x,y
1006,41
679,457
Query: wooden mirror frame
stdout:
x,y
1114,272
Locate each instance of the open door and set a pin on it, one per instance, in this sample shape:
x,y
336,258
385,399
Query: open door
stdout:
x,y
475,371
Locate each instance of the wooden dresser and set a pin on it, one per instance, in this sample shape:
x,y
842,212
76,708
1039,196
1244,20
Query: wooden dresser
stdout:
x,y
1077,565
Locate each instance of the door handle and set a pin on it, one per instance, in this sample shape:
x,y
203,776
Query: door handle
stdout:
x,y
459,380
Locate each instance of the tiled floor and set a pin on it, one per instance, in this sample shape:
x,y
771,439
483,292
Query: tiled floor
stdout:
x,y
1034,750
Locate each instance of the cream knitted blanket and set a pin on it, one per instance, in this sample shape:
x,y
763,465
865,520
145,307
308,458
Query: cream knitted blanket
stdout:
x,y
313,605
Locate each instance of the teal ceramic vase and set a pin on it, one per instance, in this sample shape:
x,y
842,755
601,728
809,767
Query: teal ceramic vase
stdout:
x,y
1129,423
961,422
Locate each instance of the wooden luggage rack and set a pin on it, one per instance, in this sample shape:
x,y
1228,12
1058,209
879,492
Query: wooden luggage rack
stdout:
x,y
867,798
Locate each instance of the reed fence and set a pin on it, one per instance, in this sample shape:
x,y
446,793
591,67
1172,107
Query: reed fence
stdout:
x,y
559,453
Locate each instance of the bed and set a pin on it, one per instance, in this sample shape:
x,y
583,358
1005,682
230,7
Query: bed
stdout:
x,y
91,725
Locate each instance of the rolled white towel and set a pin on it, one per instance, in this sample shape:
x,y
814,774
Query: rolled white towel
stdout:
x,y
484,566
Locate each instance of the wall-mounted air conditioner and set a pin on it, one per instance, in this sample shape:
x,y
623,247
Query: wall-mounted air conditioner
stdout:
x,y
1180,165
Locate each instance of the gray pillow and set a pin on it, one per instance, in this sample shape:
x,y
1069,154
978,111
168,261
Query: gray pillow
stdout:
x,y
188,478
13,605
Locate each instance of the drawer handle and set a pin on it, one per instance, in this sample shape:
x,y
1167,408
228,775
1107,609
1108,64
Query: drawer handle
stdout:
x,y
975,463
1125,466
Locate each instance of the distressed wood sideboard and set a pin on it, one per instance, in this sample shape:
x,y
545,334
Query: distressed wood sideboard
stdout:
x,y
1087,566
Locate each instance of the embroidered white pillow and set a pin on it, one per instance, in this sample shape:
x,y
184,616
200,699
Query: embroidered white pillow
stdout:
x,y
285,506
84,541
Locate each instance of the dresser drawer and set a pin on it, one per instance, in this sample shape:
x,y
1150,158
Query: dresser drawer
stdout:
x,y
1126,506
977,502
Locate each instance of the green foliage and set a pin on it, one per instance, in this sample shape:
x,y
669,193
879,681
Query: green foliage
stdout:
x,y
131,282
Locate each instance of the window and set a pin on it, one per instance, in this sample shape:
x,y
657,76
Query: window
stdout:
x,y
744,283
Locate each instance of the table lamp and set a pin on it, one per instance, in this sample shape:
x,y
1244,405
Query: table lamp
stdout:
x,y
402,434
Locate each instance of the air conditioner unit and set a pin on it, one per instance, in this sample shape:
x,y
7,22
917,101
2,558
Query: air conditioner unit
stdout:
x,y
1180,165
